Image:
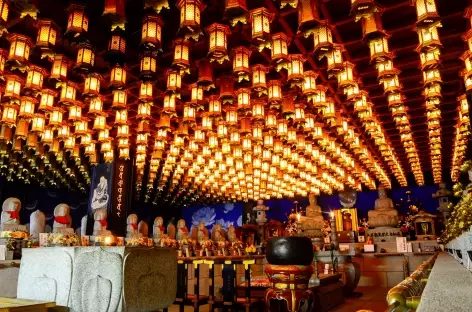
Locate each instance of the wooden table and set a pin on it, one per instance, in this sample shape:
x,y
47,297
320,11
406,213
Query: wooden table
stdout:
x,y
24,305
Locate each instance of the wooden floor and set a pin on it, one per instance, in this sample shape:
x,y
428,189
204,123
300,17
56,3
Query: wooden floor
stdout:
x,y
372,299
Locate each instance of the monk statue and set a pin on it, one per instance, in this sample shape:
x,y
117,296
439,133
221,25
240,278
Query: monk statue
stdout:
x,y
384,214
312,222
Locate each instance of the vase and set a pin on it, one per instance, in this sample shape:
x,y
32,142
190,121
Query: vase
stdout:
x,y
291,250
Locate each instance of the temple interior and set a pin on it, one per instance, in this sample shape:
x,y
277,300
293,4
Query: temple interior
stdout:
x,y
234,155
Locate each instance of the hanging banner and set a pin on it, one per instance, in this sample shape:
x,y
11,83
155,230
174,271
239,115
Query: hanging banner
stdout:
x,y
101,188
121,194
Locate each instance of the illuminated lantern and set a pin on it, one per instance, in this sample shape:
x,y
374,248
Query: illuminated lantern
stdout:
x,y
151,31
274,91
169,104
92,84
95,106
47,100
231,117
391,84
260,19
395,99
148,65
85,56
207,124
431,76
4,9
309,85
117,43
77,21
196,94
205,73
257,110
329,112
282,128
38,123
174,80
241,68
63,132
120,99
323,38
346,77
21,131
214,106
295,70
379,49
13,87
352,92
34,79
218,42
426,12
59,67
27,105
121,117
308,16
430,59
100,122
385,69
145,91
144,110
259,77
68,93
335,59
227,94
299,116
432,91
9,114
189,114
181,54
20,47
75,112
190,12
280,43
319,97
55,117
361,8
47,33
428,38
118,77
3,55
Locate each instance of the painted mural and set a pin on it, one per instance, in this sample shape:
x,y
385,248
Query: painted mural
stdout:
x,y
224,214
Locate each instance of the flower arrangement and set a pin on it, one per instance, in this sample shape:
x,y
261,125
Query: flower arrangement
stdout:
x,y
59,239
14,234
137,242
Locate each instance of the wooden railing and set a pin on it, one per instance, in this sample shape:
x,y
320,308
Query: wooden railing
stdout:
x,y
406,295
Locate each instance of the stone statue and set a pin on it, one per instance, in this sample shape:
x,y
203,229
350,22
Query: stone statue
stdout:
x,y
37,224
443,195
182,231
143,228
260,210
384,214
158,228
83,226
62,220
10,211
202,232
313,221
171,230
232,234
100,222
132,225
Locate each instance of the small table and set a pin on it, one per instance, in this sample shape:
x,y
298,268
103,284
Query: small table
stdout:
x,y
24,305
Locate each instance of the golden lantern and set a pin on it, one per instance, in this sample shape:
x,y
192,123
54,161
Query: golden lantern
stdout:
x,y
151,31
85,56
346,76
299,116
27,105
21,131
432,91
463,105
395,99
309,125
391,84
118,77
308,16
190,13
189,115
75,112
6,135
379,49
274,89
430,59
196,94
68,93
214,106
257,110
282,128
144,110
55,117
385,69
309,85
431,76
148,65
318,99
100,122
38,123
271,120
47,100
426,12
428,38
169,104
260,19
360,8
9,114
329,112
59,67
288,107
121,117
123,153
92,84
295,69
77,21
174,80
20,47
231,117
47,33
120,99
335,59
95,106
218,42
181,54
63,132
117,43
205,73
259,77
241,68
322,38
13,86
3,55
280,43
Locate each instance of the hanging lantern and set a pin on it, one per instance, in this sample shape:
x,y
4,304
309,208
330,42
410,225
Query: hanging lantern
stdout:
x,y
27,105
174,80
92,84
218,42
20,47
227,94
259,77
3,55
231,117
196,94
235,11
241,68
95,106
144,110
274,91
121,117
100,122
169,104
352,92
151,31
21,131
34,79
322,38
257,110
38,123
309,85
59,67
68,93
117,43
148,65
205,73
299,115
181,54
190,13
391,84
9,114
77,22
280,43
145,91
55,117
428,38
118,77
13,87
47,100
335,59
214,106
120,99
4,9
431,76
379,49
395,99
346,76
75,112
207,124
85,56
260,19
360,8
308,16
385,69
432,91
47,35
189,115
426,12
295,70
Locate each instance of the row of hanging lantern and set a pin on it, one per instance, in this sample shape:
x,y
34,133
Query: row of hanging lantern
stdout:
x,y
429,51
324,46
388,77
461,138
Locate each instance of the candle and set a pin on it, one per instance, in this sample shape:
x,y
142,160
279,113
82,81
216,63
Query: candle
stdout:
x,y
298,217
331,215
107,241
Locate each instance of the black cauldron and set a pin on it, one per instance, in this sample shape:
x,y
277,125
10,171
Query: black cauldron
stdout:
x,y
294,250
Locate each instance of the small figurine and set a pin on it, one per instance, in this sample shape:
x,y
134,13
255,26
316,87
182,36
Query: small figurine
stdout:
x,y
61,218
217,233
202,232
232,234
158,228
37,224
260,210
132,225
100,222
182,231
11,211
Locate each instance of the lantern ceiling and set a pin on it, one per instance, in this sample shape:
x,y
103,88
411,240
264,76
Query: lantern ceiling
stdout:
x,y
236,100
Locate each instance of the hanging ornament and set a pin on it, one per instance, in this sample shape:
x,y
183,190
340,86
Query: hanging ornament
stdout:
x,y
218,42
115,11
190,14
47,36
426,12
260,19
205,74
77,22
241,67
85,57
92,84
280,57
361,8
151,32
59,68
148,66
295,70
20,47
308,17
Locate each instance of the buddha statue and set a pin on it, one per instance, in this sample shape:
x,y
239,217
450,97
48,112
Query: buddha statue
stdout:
x,y
10,212
384,214
260,210
313,220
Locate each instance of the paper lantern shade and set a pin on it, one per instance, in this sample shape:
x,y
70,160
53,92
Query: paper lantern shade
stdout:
x,y
151,31
47,33
59,67
120,99
92,84
77,21
85,56
117,43
20,47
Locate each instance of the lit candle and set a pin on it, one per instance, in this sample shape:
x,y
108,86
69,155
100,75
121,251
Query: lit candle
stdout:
x,y
298,217
107,241
331,215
